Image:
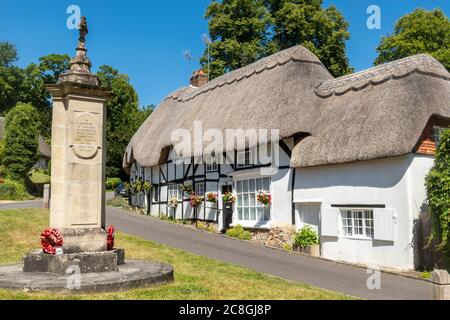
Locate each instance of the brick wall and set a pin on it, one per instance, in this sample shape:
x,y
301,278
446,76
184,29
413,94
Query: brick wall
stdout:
x,y
427,144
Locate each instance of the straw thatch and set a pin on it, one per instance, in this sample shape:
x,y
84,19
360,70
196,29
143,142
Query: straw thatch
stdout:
x,y
376,113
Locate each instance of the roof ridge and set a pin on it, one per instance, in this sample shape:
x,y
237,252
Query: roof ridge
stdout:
x,y
297,54
420,63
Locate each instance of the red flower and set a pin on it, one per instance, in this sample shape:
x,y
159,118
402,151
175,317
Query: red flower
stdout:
x,y
110,240
50,239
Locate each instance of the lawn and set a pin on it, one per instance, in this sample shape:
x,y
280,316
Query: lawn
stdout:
x,y
196,277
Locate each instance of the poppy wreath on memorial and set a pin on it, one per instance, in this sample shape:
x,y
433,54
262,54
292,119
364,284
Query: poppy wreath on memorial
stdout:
x,y
50,240
110,239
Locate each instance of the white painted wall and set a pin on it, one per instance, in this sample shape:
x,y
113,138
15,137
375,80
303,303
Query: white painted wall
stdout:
x,y
396,182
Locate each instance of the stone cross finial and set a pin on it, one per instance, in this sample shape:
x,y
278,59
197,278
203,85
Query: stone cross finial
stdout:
x,y
83,28
80,65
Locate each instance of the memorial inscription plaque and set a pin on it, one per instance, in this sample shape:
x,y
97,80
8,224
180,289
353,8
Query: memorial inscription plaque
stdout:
x,y
85,136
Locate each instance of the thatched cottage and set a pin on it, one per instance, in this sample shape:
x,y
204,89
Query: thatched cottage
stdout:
x,y
352,152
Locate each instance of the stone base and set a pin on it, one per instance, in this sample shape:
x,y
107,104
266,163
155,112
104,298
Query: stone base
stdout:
x,y
133,274
87,262
84,240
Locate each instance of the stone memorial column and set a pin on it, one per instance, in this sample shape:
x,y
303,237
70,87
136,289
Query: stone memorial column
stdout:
x,y
78,155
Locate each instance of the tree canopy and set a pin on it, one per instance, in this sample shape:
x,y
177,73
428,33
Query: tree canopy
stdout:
x,y
21,141
419,32
124,117
243,31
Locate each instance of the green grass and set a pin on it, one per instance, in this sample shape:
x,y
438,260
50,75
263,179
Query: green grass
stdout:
x,y
196,277
39,178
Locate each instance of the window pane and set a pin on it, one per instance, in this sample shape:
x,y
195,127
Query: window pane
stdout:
x,y
266,184
239,200
245,186
246,214
259,185
266,213
240,214
252,199
245,200
252,186
239,186
253,214
260,213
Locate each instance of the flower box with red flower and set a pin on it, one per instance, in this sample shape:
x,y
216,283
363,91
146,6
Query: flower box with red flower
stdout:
x,y
212,197
264,198
196,200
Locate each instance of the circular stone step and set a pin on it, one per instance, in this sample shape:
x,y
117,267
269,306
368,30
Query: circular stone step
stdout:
x,y
133,274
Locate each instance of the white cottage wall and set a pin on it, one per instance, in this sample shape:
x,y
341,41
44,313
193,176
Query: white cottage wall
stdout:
x,y
396,183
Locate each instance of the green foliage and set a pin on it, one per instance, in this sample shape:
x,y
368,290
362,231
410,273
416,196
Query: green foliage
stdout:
x,y
21,137
39,176
124,118
306,237
419,32
238,232
438,194
112,183
13,190
2,150
118,202
8,54
287,247
243,31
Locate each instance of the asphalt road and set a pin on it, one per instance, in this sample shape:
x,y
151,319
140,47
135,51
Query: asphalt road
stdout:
x,y
21,205
317,272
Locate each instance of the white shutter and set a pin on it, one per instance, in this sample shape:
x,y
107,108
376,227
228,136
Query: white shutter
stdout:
x,y
330,222
384,224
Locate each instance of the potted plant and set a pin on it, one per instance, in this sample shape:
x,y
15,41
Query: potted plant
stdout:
x,y
264,198
212,197
229,198
307,241
196,200
187,188
173,202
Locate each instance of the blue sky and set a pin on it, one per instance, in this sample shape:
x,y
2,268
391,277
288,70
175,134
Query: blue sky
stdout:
x,y
146,39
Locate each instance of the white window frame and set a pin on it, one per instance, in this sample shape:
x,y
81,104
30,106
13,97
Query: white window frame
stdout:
x,y
211,164
200,188
438,132
265,210
174,190
155,195
243,159
366,225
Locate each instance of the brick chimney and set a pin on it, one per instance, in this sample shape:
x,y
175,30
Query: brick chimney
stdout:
x,y
199,78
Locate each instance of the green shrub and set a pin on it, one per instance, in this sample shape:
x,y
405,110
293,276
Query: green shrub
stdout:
x,y
118,202
112,183
306,237
21,140
438,190
13,190
239,233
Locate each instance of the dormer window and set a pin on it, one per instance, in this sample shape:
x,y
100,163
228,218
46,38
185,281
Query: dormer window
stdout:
x,y
211,163
243,159
438,132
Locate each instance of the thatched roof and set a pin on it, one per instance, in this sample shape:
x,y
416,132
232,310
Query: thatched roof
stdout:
x,y
44,148
376,113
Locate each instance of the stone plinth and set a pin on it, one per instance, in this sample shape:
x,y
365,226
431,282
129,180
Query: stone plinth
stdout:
x,y
133,274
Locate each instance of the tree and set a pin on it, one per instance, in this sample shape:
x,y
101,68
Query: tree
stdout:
x,y
322,31
21,138
438,191
239,33
8,54
245,31
419,32
122,123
